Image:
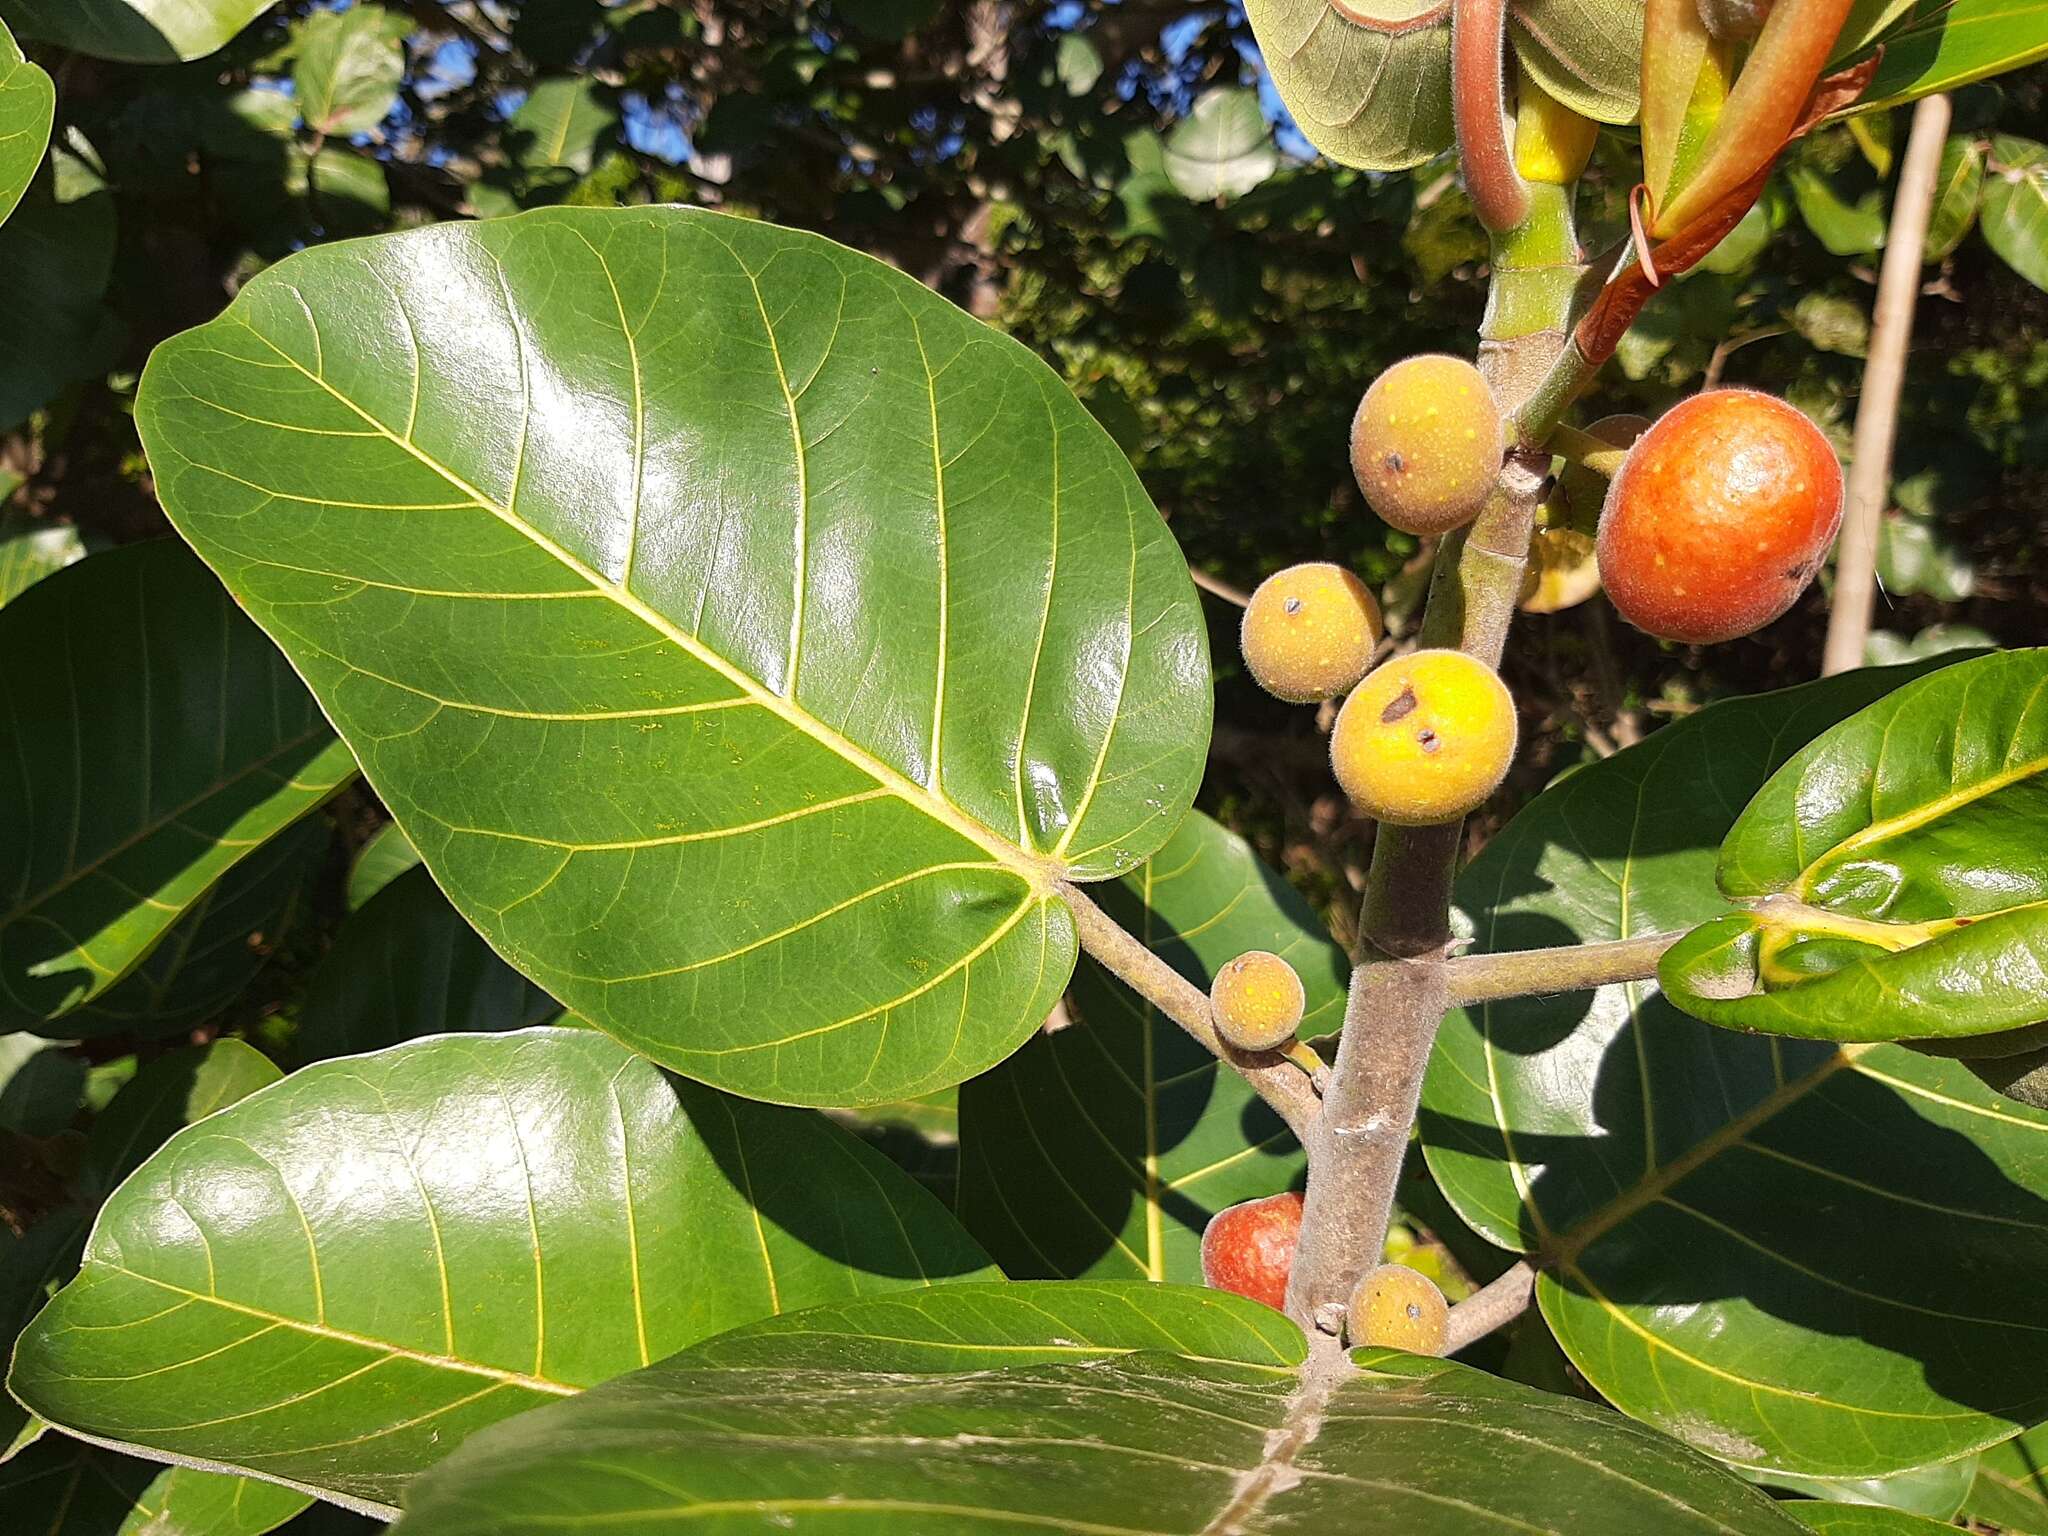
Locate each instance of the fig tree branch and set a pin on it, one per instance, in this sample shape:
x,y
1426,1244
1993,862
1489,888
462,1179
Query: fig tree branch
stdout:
x,y
1494,1305
1884,377
1568,968
1286,1088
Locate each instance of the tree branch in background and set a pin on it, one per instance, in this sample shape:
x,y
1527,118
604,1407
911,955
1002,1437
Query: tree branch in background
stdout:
x,y
1884,377
1285,1088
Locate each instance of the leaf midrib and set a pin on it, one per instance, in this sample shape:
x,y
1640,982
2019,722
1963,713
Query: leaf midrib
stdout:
x,y
1039,875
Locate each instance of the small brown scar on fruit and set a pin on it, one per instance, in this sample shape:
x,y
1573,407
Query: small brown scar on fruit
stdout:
x,y
1403,705
1394,463
1428,739
1292,605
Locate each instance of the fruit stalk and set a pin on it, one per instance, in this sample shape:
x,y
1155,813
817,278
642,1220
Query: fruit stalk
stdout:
x,y
1398,992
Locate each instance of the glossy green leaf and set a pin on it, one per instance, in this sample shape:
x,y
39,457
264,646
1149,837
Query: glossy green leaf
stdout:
x,y
31,549
346,68
57,254
2011,1491
1936,1491
28,101
407,965
743,635
1958,188
2015,212
334,1281
137,31
561,124
1798,1257
1085,1407
1894,881
1223,147
165,742
209,958
1103,1149
387,855
1862,1520
1945,44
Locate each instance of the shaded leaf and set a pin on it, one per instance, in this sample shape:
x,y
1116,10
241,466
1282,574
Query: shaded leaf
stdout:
x,y
31,549
57,253
137,31
1958,187
1895,887
1734,1230
346,68
1223,147
561,123
2015,211
334,1281
407,965
1846,228
1944,44
28,101
2011,1491
1102,1150
209,958
1073,1406
779,559
61,1487
164,743
387,855
1861,1520
1936,1491
41,1084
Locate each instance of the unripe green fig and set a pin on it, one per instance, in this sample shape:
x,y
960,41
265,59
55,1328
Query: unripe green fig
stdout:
x,y
1427,444
1399,1308
1257,1001
1309,632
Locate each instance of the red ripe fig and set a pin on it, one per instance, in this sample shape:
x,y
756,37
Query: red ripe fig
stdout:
x,y
1719,517
1249,1248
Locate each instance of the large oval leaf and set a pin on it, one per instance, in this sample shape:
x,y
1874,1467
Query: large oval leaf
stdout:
x,y
743,635
332,1282
28,101
1800,1258
162,741
1102,1150
1084,1407
1895,872
137,31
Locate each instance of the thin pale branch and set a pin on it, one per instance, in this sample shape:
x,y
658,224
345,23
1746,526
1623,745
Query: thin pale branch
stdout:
x,y
1568,968
1884,378
1283,1086
1219,588
1494,1305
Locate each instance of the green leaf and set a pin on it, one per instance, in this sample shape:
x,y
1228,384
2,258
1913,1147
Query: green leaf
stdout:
x,y
1102,1149
561,124
41,1085
387,855
28,102
60,1487
136,31
332,1282
1862,1520
1958,187
1795,1256
1914,555
2015,215
57,254
2011,1491
1895,885
407,965
1845,228
346,68
1586,53
1944,44
1077,63
1222,148
1368,86
164,743
1936,1491
209,958
744,636
1087,1407
31,549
